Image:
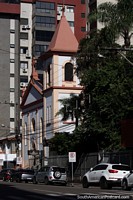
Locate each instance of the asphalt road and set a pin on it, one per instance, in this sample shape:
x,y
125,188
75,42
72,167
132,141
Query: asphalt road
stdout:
x,y
29,191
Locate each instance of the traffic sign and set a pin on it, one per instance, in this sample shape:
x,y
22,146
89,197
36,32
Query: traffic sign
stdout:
x,y
72,156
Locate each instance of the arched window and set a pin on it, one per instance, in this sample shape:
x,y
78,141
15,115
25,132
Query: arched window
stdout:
x,y
33,138
33,125
69,72
25,134
48,76
41,130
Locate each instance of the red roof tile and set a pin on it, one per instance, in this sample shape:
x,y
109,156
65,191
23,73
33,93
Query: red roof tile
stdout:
x,y
63,39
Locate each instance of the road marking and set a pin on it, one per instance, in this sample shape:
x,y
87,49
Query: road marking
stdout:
x,y
87,193
55,193
47,191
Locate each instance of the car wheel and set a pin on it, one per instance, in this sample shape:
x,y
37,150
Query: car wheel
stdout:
x,y
26,181
34,181
125,185
85,183
104,184
57,174
18,180
46,181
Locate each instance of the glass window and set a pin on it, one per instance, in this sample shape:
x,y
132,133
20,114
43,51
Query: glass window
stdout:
x,y
23,50
23,21
68,72
25,134
83,29
49,78
12,61
24,36
24,79
33,125
82,1
12,45
82,15
70,9
24,65
39,49
13,147
121,167
45,5
12,90
41,130
71,23
100,167
12,31
12,1
12,120
12,75
45,21
44,35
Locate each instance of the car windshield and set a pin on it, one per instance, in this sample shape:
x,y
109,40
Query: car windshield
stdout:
x,y
121,167
25,171
62,170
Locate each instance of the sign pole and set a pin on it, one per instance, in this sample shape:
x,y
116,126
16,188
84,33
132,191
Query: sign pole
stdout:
x,y
72,159
72,174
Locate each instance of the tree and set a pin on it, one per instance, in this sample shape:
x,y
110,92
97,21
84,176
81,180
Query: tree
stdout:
x,y
118,18
108,92
71,108
61,143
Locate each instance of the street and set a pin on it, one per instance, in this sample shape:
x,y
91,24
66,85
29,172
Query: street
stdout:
x,y
29,191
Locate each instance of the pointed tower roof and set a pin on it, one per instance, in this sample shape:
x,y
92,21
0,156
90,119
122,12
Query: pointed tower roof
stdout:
x,y
63,39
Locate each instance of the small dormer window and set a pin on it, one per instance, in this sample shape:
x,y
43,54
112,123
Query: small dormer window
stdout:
x,y
68,72
49,75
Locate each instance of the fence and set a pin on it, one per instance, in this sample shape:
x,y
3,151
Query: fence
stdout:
x,y
86,161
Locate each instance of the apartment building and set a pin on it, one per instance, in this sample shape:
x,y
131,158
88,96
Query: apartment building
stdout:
x,y
93,5
27,28
9,76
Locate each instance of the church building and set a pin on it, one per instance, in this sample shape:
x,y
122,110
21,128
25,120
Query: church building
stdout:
x,y
40,101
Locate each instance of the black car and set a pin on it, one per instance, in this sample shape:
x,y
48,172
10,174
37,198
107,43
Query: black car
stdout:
x,y
5,174
25,175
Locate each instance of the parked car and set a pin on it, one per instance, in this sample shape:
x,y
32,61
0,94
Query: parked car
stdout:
x,y
51,174
5,174
106,175
23,175
127,181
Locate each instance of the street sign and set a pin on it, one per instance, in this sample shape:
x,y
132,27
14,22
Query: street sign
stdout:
x,y
72,156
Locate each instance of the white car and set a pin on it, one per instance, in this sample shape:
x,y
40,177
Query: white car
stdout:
x,y
127,181
106,175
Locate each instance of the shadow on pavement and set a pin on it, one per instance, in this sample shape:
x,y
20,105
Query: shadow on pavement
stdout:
x,y
10,192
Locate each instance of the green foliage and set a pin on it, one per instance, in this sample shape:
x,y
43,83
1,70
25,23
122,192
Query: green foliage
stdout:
x,y
118,18
107,78
62,143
